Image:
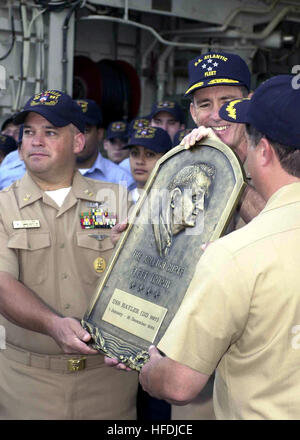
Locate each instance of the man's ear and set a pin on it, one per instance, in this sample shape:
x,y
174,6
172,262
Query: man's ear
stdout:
x,y
193,113
175,197
79,143
266,152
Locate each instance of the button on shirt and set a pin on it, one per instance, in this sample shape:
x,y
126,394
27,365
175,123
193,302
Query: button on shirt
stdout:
x,y
106,170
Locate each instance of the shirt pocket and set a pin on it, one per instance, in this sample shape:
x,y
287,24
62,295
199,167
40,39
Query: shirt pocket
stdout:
x,y
94,255
33,249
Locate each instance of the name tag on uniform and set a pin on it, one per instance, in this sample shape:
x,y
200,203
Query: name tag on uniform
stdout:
x,y
26,224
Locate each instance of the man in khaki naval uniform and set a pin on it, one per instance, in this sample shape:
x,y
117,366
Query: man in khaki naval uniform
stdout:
x,y
214,78
50,264
241,313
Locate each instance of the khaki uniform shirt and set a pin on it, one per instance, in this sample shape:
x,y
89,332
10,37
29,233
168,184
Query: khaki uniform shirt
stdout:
x,y
61,262
241,315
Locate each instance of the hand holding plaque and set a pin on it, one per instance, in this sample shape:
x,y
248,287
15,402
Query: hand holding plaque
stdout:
x,y
188,200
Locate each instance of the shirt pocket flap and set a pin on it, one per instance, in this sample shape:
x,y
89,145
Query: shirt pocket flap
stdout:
x,y
29,241
96,241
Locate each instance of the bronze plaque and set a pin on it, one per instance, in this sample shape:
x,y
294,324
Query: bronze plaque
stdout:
x,y
189,200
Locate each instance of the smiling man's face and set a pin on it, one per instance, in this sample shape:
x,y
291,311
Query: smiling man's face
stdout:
x,y
205,111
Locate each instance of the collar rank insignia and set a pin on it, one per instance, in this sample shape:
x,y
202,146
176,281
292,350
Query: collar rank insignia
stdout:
x,y
97,218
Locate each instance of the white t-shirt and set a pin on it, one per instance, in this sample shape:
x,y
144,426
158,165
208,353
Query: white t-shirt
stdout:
x,y
59,195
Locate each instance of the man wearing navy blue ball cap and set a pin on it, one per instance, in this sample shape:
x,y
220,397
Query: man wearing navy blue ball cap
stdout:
x,y
253,339
135,124
167,115
215,78
116,137
13,167
146,146
90,161
50,266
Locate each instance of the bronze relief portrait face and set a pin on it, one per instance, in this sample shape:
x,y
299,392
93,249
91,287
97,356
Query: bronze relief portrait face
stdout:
x,y
186,197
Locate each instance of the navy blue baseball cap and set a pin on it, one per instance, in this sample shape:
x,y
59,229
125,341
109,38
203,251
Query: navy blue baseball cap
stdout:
x,y
91,111
153,138
171,107
117,129
137,123
217,69
179,135
272,110
7,143
55,106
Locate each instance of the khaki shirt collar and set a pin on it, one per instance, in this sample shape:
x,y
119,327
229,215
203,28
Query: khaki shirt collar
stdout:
x,y
284,196
83,188
31,192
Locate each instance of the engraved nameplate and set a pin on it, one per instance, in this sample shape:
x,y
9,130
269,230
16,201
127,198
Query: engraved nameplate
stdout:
x,y
26,224
135,315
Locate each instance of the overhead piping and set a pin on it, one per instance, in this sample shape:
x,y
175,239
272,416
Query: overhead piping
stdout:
x,y
153,31
227,23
